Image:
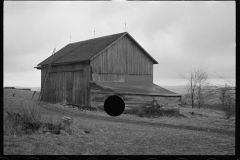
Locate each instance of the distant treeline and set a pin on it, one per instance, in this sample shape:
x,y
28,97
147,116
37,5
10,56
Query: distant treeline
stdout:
x,y
17,88
9,88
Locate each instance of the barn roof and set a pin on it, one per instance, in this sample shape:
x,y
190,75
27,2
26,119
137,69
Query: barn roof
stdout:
x,y
87,50
137,88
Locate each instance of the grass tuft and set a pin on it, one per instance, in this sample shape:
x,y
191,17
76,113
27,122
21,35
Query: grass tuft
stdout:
x,y
31,120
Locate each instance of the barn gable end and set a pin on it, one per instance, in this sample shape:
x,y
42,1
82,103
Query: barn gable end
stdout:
x,y
122,62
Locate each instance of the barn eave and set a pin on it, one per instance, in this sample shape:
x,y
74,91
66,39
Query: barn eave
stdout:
x,y
62,63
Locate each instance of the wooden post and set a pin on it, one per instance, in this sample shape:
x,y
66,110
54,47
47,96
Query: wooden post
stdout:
x,y
33,95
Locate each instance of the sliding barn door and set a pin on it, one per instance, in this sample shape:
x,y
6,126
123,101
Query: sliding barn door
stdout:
x,y
74,87
65,86
78,88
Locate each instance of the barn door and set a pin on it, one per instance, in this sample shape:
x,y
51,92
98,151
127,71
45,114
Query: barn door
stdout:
x,y
74,87
78,88
68,86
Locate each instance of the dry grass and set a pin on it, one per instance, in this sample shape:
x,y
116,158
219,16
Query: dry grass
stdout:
x,y
124,139
111,138
210,118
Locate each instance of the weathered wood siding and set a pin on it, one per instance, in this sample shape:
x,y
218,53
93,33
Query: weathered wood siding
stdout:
x,y
99,95
104,77
122,58
68,83
136,100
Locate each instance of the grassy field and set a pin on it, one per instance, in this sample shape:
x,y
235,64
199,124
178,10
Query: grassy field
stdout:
x,y
115,137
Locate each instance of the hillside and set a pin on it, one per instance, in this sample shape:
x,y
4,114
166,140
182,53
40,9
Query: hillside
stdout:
x,y
181,89
95,133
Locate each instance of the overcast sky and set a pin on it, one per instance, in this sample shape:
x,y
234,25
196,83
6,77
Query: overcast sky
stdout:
x,y
180,35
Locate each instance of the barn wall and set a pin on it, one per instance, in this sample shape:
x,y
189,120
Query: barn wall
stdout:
x,y
138,78
134,100
121,78
108,77
99,95
43,74
68,83
122,58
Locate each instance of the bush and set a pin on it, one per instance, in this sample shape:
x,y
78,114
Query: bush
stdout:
x,y
131,111
151,111
143,111
229,107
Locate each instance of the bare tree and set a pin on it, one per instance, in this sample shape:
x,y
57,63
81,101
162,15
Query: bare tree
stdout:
x,y
226,95
192,89
227,99
201,82
197,82
205,93
223,91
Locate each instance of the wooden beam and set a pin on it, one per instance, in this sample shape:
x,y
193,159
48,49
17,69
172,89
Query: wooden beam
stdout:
x,y
64,63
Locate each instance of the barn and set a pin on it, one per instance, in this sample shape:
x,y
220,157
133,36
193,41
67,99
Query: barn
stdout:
x,y
87,72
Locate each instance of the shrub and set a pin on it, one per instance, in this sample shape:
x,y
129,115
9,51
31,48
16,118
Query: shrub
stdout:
x,y
229,107
131,111
143,111
32,115
141,114
151,111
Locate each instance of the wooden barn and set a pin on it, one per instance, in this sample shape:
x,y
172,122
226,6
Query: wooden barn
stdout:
x,y
87,72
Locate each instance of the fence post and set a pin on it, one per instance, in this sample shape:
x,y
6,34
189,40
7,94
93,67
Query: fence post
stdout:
x,y
33,95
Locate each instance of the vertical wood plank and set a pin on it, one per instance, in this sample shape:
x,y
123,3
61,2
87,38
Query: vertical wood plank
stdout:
x,y
123,57
52,88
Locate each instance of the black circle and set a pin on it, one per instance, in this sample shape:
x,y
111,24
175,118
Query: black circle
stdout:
x,y
114,105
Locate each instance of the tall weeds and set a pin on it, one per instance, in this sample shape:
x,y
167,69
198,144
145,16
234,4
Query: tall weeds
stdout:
x,y
30,120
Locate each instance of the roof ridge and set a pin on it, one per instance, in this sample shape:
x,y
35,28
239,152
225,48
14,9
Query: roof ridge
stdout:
x,y
98,37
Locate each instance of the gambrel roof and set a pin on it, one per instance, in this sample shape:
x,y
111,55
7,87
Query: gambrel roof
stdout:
x,y
88,49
